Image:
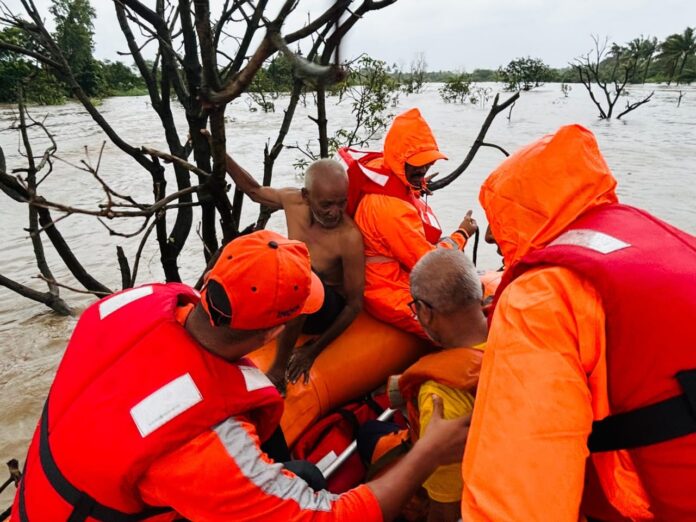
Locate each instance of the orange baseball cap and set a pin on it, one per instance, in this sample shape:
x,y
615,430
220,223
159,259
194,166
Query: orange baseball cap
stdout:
x,y
259,281
423,158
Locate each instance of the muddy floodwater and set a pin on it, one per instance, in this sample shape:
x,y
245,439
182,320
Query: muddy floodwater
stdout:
x,y
652,153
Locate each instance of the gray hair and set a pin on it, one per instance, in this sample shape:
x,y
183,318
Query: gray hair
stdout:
x,y
324,169
447,280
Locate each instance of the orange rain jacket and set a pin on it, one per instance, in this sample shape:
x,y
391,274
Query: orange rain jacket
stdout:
x,y
544,374
393,231
223,475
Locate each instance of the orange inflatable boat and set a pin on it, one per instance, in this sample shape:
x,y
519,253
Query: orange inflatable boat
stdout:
x,y
356,363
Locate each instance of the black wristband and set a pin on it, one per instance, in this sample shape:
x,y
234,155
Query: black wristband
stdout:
x,y
463,233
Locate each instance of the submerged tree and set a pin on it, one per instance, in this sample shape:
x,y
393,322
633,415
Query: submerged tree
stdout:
x,y
193,66
456,89
605,74
524,74
414,80
371,91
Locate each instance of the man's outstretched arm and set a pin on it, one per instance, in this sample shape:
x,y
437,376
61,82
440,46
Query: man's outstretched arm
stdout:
x,y
267,196
240,482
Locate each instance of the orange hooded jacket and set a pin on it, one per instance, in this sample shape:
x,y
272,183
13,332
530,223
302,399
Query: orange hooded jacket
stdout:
x,y
392,229
544,374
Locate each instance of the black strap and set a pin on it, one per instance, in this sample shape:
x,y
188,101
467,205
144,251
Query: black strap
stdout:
x,y
351,419
659,422
374,405
84,505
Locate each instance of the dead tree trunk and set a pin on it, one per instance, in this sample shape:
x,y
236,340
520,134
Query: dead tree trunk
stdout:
x,y
610,81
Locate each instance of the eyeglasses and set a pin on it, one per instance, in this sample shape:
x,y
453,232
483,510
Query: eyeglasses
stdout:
x,y
413,305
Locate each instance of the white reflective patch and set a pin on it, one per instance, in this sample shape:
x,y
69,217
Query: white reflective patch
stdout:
x,y
158,408
254,378
592,239
326,461
380,179
117,302
432,220
269,477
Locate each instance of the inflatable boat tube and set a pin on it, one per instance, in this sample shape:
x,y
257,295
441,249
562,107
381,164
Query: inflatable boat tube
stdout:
x,y
356,363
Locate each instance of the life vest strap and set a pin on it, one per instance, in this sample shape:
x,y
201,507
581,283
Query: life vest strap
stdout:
x,y
84,506
659,422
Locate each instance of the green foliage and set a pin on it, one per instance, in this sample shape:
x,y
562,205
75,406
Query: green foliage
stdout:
x,y
279,73
483,75
18,72
456,89
262,91
74,31
676,52
372,92
269,82
119,79
372,89
524,74
74,35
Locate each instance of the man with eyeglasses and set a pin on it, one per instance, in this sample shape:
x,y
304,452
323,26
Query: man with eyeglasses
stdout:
x,y
449,308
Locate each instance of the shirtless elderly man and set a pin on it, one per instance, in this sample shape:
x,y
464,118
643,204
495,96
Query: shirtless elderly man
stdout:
x,y
315,215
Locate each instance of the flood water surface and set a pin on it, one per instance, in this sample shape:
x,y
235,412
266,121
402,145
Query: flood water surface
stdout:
x,y
652,152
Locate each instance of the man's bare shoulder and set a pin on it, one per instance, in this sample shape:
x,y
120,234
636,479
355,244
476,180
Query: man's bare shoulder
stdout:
x,y
291,196
350,232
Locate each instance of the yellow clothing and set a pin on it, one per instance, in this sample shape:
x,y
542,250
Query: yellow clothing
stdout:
x,y
445,484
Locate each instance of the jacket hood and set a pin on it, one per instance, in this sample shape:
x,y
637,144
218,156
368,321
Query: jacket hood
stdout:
x,y
408,135
536,193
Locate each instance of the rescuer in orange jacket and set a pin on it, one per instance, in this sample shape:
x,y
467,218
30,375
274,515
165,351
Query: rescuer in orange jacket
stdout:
x,y
156,414
590,328
393,231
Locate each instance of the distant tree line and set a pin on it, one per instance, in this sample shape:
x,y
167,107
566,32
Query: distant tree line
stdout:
x,y
671,61
649,60
74,34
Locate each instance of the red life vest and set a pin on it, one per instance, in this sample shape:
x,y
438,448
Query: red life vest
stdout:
x,y
364,179
645,272
133,385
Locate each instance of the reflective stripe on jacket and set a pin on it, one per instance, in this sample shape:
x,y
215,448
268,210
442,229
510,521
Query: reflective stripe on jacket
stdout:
x,y
133,386
645,273
545,375
368,175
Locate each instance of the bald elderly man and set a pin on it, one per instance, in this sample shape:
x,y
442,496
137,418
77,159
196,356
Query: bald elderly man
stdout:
x,y
315,215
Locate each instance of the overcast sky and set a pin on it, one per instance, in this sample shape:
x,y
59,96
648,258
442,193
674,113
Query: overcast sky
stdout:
x,y
469,34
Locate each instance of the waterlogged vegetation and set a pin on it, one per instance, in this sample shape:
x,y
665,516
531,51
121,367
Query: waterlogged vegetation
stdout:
x,y
284,68
74,34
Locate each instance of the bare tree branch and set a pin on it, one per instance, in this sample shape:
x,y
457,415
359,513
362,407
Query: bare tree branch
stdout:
x,y
54,302
635,105
478,142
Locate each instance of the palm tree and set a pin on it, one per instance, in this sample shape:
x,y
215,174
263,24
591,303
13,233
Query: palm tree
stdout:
x,y
678,48
645,49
